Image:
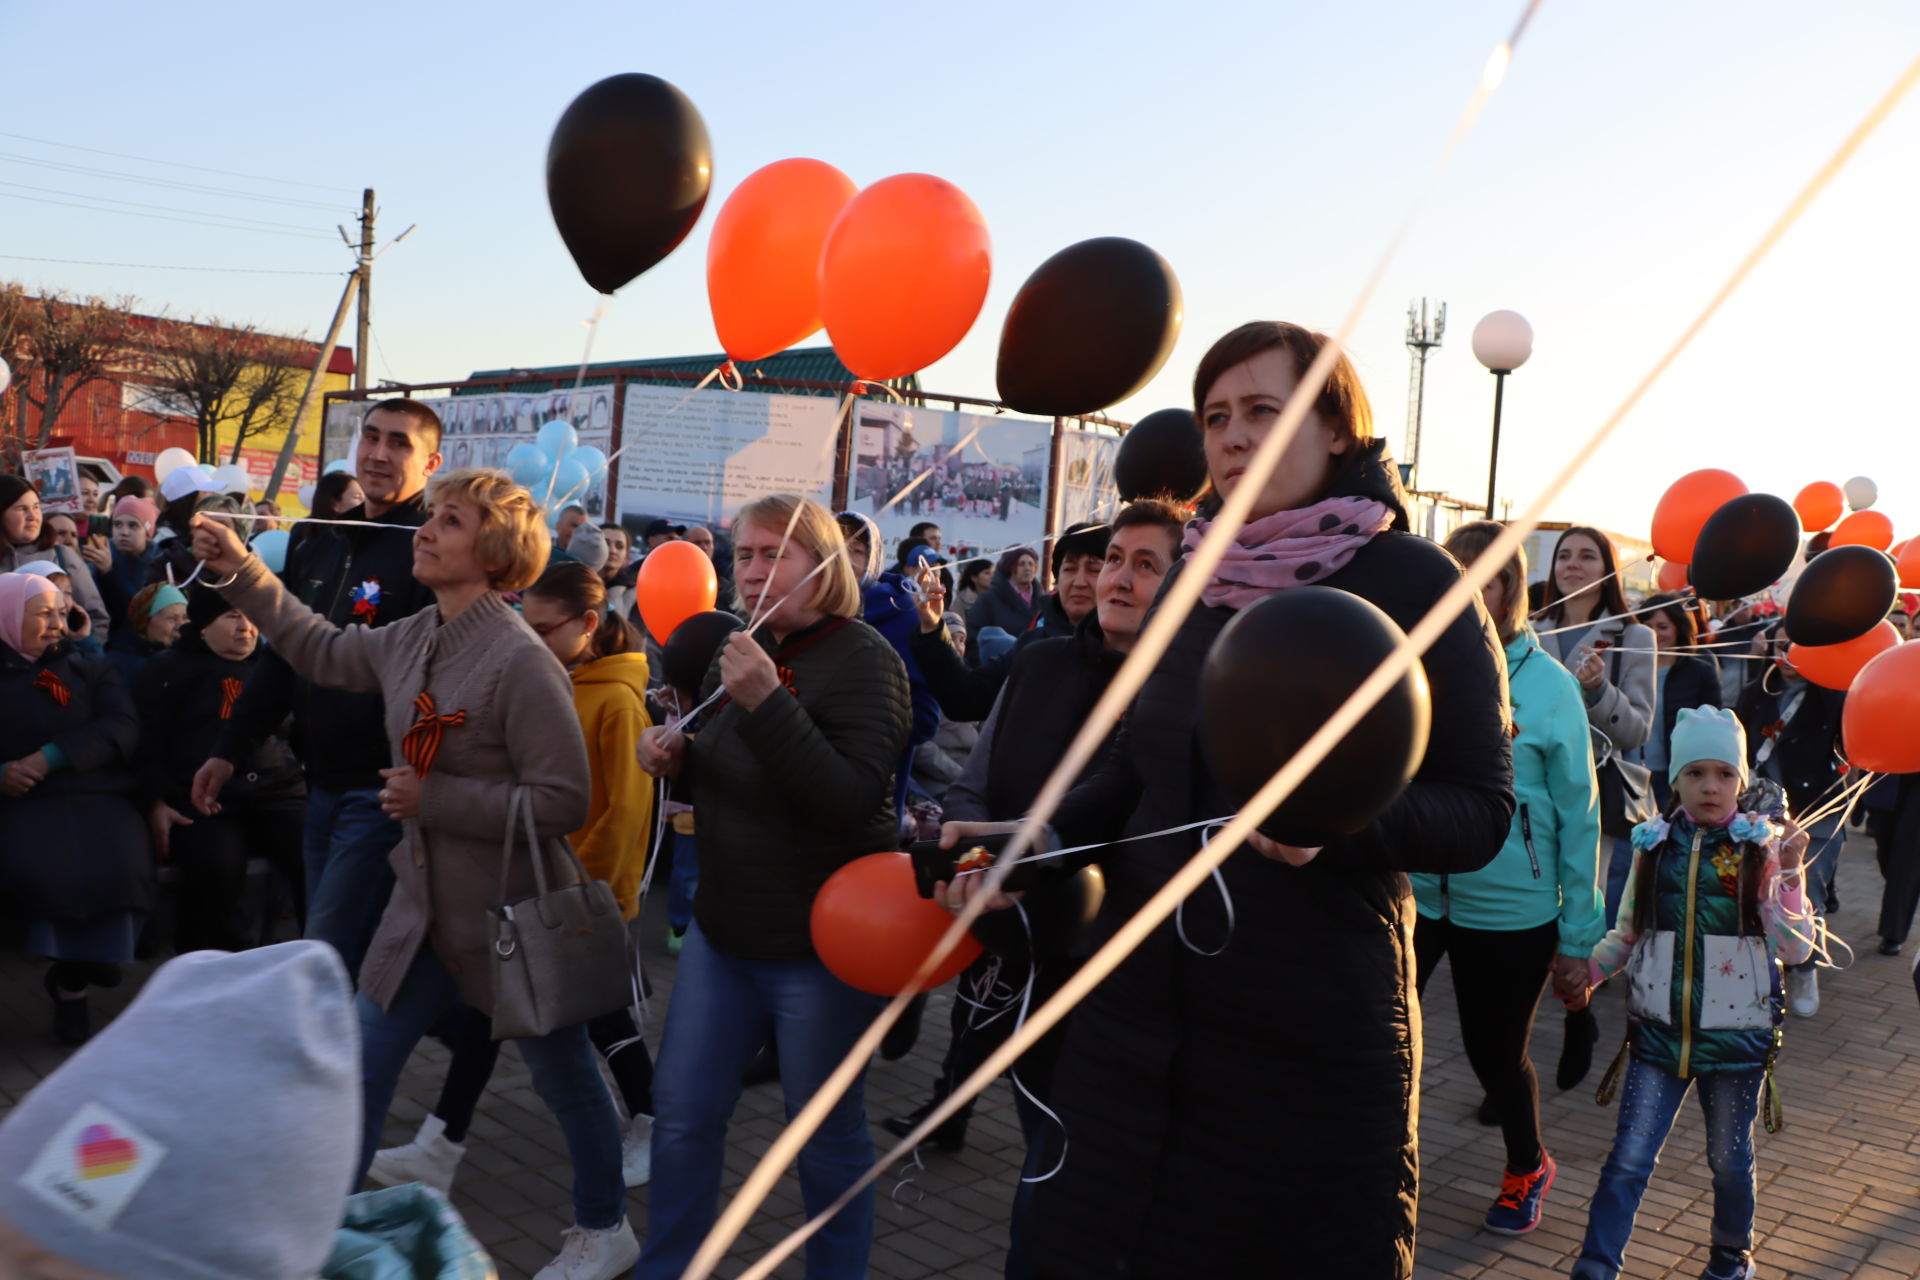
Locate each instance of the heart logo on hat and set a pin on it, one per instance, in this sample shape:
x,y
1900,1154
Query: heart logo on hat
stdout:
x,y
102,1152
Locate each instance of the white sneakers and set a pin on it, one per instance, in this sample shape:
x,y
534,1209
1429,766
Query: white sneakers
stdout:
x,y
636,1151
1803,992
586,1254
429,1158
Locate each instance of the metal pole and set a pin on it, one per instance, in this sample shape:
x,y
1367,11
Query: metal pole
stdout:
x,y
364,328
1493,458
1052,526
312,394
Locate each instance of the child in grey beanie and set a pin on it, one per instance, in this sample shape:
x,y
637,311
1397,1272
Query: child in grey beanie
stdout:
x,y
209,1133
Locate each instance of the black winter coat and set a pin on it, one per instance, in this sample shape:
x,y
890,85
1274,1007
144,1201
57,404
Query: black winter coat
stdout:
x,y
347,576
1001,606
186,697
1252,1113
74,846
1689,683
797,788
1809,749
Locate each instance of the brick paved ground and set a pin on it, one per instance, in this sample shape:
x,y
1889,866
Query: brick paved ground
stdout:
x,y
1840,1186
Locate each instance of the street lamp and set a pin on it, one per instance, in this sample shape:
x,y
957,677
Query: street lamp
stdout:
x,y
1502,341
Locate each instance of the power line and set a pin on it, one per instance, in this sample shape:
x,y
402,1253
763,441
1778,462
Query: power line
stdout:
x,y
161,208
153,266
162,217
197,168
200,188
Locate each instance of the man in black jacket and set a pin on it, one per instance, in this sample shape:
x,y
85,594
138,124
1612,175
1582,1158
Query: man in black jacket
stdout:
x,y
347,575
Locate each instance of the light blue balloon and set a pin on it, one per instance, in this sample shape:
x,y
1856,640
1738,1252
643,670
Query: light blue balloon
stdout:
x,y
570,485
531,470
558,438
338,464
526,449
592,459
271,547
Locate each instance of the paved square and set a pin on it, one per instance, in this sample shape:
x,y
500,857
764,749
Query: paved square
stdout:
x,y
1839,1186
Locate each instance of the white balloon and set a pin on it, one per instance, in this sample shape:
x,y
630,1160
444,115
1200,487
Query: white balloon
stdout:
x,y
1861,493
169,461
233,478
6,377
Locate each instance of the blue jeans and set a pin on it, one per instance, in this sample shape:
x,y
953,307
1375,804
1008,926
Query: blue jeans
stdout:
x,y
566,1075
348,839
1649,1102
723,1010
1619,866
685,879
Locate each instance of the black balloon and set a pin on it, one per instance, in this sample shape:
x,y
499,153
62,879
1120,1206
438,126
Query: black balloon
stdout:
x,y
1843,594
628,172
1745,547
1090,327
1161,456
1817,544
1057,909
690,650
1277,672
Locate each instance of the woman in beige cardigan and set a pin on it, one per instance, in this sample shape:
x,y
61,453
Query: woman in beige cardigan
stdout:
x,y
476,706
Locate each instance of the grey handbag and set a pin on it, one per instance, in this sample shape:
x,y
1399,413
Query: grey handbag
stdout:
x,y
559,957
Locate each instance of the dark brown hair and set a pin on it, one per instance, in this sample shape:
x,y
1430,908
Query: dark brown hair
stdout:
x,y
1342,404
425,421
1674,607
578,590
1612,599
1152,511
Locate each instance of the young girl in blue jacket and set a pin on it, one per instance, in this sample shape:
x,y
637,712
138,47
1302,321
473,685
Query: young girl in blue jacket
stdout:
x,y
1536,907
1713,906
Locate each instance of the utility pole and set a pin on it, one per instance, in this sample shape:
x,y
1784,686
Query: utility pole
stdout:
x,y
362,357
311,397
1424,332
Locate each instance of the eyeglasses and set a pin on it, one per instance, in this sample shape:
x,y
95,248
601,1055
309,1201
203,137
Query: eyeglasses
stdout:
x,y
550,628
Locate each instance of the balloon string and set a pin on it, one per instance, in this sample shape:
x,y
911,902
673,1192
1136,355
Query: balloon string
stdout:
x,y
1226,900
1629,614
1449,607
593,327
1595,585
1108,844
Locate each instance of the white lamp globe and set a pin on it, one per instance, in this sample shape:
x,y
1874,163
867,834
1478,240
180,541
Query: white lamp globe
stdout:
x,y
1502,341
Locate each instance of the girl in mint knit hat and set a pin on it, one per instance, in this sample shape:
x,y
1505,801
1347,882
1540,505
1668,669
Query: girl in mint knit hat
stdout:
x,y
1714,903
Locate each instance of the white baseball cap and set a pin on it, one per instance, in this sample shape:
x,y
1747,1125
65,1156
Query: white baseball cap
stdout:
x,y
191,478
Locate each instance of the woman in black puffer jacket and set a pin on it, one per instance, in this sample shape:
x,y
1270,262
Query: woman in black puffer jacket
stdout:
x,y
186,696
1251,1112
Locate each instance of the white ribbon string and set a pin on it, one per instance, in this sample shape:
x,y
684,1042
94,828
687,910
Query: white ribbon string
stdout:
x,y
1226,901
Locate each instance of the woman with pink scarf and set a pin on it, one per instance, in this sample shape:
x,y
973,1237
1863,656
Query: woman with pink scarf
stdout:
x,y
1246,1095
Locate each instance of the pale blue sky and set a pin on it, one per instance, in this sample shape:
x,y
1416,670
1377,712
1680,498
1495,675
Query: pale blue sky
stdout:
x,y
1267,149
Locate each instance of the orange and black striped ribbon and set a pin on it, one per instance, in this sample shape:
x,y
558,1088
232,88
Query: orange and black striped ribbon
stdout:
x,y
51,682
230,688
422,742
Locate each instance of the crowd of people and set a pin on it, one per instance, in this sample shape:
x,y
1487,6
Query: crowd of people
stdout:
x,y
445,698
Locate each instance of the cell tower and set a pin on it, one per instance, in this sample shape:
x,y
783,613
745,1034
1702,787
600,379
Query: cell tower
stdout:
x,y
1425,327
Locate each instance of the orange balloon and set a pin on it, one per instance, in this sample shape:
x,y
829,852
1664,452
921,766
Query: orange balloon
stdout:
x,y
763,261
676,581
1819,505
1866,529
1686,506
1882,708
1833,666
1672,576
903,275
1906,559
873,930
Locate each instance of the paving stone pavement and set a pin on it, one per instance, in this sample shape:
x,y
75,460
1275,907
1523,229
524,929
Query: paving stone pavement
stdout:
x,y
1839,1186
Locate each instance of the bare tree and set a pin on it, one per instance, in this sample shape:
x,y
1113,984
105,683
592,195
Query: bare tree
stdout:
x,y
223,377
57,344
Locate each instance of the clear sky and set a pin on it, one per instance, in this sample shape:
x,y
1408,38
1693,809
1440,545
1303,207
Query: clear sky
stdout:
x,y
1267,149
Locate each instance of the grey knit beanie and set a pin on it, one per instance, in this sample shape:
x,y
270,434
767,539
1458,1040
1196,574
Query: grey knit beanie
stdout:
x,y
209,1133
588,545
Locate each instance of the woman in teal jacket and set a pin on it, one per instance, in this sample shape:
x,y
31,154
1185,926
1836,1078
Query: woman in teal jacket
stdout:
x,y
1536,908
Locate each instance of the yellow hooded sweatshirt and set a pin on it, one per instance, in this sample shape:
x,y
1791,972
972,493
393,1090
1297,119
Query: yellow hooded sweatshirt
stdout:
x,y
610,696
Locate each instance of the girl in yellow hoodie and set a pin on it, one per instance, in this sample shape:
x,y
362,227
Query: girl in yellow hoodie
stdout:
x,y
567,608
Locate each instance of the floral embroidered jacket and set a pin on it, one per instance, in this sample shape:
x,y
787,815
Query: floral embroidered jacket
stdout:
x,y
1705,992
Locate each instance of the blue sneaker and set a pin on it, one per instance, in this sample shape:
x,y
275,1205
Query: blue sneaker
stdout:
x,y
1517,1210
